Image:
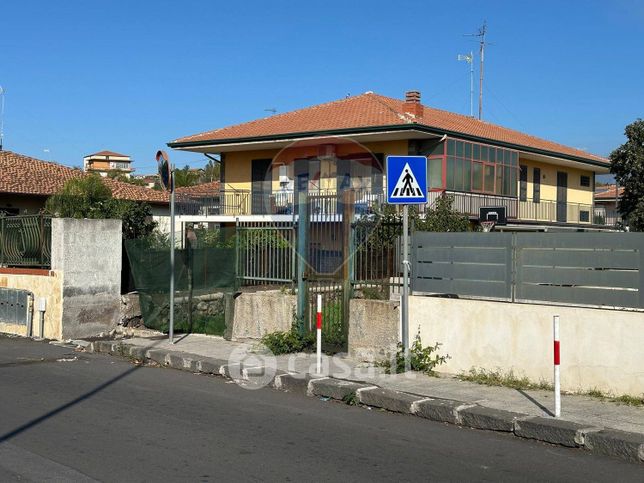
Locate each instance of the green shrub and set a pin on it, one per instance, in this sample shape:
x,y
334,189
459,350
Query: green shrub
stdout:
x,y
421,359
288,342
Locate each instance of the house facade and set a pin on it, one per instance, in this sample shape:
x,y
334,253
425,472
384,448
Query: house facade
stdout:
x,y
341,145
104,162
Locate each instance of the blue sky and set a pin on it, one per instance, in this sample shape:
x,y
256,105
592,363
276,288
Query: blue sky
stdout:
x,y
82,76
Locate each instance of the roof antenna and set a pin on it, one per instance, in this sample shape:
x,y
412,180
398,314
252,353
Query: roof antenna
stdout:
x,y
271,109
1,117
482,43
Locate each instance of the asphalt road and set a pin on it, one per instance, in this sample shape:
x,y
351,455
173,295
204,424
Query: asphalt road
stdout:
x,y
68,416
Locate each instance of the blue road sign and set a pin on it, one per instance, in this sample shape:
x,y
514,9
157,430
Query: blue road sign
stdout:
x,y
406,180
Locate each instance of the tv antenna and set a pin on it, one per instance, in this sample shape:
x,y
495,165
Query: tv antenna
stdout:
x,y
1,117
469,58
271,109
482,43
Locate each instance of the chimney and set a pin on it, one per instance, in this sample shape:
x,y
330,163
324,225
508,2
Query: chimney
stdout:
x,y
412,104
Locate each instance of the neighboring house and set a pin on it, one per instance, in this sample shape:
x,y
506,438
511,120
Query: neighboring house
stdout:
x,y
606,204
26,183
150,180
105,162
540,183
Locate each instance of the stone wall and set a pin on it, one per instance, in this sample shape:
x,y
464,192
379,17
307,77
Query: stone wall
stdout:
x,y
259,313
373,329
87,254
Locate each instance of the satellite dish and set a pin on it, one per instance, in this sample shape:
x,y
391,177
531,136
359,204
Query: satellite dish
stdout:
x,y
165,172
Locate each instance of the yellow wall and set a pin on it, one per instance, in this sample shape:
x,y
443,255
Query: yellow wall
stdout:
x,y
49,287
238,164
576,192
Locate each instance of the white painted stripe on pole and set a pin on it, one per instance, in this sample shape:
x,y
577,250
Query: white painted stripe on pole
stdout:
x,y
557,362
319,334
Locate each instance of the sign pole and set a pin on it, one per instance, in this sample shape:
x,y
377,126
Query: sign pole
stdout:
x,y
404,310
172,242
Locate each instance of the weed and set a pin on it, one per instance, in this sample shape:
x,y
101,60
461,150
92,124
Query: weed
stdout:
x,y
421,359
288,342
351,399
626,399
374,293
507,379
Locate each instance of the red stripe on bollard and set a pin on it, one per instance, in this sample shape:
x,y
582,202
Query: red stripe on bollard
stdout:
x,y
319,321
556,353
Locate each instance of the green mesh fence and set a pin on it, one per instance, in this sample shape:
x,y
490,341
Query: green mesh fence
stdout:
x,y
202,277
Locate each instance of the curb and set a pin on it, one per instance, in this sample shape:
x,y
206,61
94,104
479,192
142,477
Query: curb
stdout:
x,y
607,442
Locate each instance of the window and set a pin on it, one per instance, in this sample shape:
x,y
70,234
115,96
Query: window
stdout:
x,y
585,181
523,183
536,185
435,173
584,216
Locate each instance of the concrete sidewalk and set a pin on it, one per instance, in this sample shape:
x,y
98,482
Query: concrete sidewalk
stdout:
x,y
600,426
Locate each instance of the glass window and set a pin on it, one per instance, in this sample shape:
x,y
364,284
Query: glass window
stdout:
x,y
459,149
450,173
477,176
436,173
476,151
468,150
458,174
489,178
499,180
467,176
438,149
484,153
584,181
450,147
507,185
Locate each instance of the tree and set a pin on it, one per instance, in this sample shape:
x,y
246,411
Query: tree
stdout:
x,y
211,172
627,164
442,217
82,197
117,175
186,177
88,197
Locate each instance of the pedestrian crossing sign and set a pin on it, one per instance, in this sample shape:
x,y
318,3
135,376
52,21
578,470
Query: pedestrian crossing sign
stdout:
x,y
406,180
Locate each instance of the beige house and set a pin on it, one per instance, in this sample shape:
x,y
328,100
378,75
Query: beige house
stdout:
x,y
105,162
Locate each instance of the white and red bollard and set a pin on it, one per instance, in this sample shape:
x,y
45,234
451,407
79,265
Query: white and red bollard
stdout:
x,y
557,360
318,326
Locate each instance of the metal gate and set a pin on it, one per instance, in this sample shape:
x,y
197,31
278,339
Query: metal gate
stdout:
x,y
327,266
15,307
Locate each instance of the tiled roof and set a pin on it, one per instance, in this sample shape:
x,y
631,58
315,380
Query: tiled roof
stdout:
x,y
608,192
204,189
108,153
373,110
30,176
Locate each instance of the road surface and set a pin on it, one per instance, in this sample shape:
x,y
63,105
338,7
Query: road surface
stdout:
x,y
69,416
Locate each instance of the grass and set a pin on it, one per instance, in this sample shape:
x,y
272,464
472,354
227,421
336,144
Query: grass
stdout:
x,y
509,379
505,379
206,324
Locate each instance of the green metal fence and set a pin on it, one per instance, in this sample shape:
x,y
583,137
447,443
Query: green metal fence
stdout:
x,y
25,241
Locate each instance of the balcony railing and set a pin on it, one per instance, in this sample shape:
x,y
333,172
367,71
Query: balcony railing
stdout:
x,y
25,241
606,216
554,211
471,203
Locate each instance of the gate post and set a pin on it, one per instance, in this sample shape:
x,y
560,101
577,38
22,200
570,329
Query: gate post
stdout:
x,y
302,257
347,220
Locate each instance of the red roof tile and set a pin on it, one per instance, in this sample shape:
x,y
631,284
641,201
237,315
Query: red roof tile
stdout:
x,y
204,189
30,176
608,192
108,153
373,110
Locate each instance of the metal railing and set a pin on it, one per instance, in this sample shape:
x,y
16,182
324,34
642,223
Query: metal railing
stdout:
x,y
606,216
471,203
554,211
25,241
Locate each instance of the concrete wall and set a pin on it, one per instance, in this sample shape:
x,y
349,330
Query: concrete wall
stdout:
x,y
373,329
259,313
50,287
600,349
88,255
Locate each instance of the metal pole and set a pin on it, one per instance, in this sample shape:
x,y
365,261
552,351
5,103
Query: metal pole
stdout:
x,y
171,324
319,334
471,84
302,249
404,307
557,375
